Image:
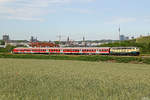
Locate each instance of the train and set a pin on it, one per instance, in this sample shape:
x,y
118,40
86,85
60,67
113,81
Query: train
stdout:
x,y
133,51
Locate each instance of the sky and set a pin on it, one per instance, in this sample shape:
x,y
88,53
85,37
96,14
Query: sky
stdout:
x,y
94,19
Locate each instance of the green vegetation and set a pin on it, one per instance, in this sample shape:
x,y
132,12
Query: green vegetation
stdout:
x,y
8,48
2,42
97,58
56,42
143,43
145,39
26,79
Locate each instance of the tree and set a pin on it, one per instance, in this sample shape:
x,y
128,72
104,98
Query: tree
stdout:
x,y
2,42
9,48
57,42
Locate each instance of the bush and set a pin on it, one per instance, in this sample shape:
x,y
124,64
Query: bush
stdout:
x,y
8,48
118,59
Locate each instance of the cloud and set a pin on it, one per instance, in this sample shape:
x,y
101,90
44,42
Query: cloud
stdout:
x,y
121,20
77,10
3,1
146,19
31,9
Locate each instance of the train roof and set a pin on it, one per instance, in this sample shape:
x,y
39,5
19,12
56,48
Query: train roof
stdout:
x,y
124,47
67,48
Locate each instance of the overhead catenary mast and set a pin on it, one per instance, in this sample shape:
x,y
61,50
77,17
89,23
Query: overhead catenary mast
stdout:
x,y
59,38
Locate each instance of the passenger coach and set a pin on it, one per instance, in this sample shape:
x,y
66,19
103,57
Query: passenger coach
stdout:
x,y
102,50
80,50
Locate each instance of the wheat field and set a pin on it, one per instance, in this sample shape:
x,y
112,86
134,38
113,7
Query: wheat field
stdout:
x,y
29,79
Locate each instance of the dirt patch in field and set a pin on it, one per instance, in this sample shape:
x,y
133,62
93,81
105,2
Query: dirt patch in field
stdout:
x,y
136,62
111,61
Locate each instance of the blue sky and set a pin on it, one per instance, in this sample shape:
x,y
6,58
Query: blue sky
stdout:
x,y
94,19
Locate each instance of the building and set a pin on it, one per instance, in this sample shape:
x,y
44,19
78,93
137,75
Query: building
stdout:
x,y
2,46
43,44
6,38
18,43
123,37
32,39
84,42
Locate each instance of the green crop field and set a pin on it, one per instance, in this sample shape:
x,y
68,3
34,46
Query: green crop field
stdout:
x,y
29,79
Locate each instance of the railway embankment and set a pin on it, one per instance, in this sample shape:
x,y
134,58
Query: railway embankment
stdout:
x,y
97,58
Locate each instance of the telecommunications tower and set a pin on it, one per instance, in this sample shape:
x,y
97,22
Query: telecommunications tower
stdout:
x,y
119,32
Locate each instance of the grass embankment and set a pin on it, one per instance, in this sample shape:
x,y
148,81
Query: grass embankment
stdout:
x,y
32,79
119,59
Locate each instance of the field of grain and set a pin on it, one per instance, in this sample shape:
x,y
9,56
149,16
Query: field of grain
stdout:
x,y
26,79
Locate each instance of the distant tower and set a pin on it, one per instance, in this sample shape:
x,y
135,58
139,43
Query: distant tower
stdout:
x,y
119,32
83,39
68,41
6,38
32,39
83,42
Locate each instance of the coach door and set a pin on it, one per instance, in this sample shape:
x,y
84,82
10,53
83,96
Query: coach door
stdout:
x,y
47,50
